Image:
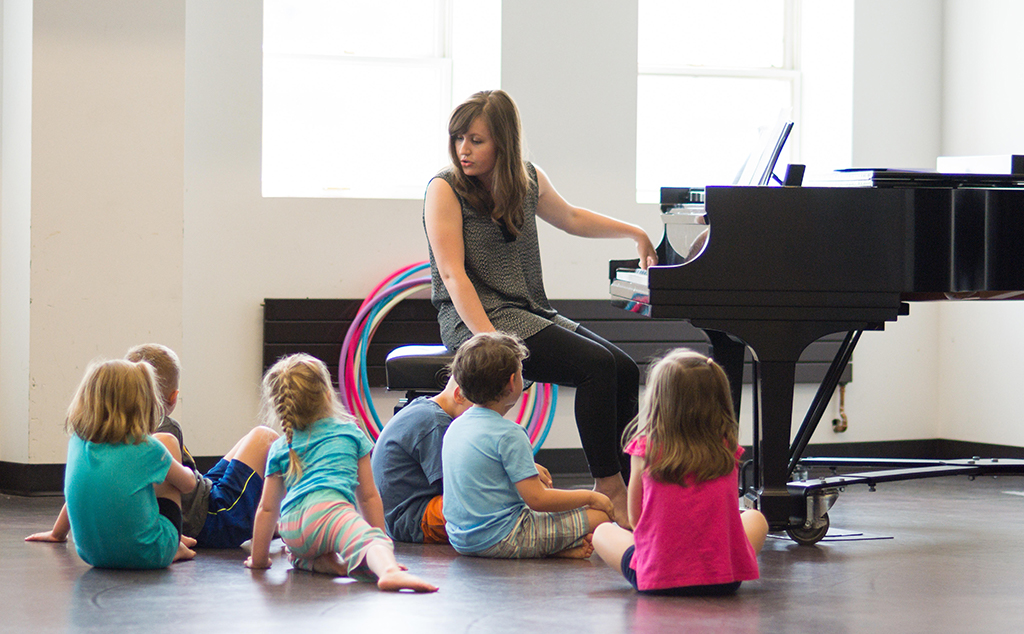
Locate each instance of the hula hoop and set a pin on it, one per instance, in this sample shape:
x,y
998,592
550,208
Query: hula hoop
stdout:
x,y
537,408
347,382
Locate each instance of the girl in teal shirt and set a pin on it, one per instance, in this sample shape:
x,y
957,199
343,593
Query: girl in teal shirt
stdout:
x,y
318,480
122,483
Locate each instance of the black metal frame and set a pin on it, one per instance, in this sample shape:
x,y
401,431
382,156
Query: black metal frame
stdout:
x,y
806,495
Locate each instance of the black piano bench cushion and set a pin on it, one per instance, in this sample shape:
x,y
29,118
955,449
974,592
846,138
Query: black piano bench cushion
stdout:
x,y
422,368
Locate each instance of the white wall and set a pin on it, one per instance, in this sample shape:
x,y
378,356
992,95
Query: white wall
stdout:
x,y
107,127
981,344
147,220
897,97
241,248
15,231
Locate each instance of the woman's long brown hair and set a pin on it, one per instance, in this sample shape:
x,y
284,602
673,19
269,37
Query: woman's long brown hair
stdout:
x,y
510,182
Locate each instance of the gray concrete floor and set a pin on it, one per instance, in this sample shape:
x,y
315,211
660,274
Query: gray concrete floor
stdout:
x,y
953,564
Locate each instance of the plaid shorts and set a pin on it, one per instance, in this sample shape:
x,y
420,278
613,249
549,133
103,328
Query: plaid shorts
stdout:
x,y
540,534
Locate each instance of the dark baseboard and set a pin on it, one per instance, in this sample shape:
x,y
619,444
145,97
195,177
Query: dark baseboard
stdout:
x,y
573,462
932,449
928,449
564,461
48,479
31,479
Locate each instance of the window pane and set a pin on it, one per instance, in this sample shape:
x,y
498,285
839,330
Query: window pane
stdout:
x,y
382,28
695,131
346,128
724,33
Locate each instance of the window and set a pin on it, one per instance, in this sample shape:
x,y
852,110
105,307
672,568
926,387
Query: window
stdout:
x,y
356,95
713,75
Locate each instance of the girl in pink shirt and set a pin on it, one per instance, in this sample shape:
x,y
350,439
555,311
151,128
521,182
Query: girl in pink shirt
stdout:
x,y
689,536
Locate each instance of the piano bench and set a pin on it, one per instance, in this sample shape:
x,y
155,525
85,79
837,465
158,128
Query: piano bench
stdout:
x,y
420,370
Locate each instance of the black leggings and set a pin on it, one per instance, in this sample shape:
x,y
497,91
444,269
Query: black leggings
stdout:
x,y
607,383
171,511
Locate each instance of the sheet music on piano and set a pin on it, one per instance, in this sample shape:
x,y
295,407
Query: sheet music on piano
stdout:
x,y
686,231
913,178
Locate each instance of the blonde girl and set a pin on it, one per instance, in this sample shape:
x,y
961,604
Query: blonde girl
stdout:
x,y
317,473
690,537
122,483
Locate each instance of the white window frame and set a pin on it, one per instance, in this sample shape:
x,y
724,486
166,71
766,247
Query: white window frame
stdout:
x,y
468,59
789,72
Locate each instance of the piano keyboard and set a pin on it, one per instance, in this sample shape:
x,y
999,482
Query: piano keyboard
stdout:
x,y
635,276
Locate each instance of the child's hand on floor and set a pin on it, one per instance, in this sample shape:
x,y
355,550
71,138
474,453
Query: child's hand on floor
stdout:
x,y
249,563
46,536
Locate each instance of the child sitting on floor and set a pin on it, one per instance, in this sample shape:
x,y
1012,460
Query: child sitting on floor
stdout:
x,y
690,537
219,512
407,466
122,483
495,504
316,474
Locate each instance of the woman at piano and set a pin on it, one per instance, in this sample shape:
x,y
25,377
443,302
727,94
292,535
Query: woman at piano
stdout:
x,y
479,215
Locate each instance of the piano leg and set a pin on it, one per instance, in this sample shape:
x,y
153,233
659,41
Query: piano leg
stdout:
x,y
776,408
774,383
776,347
728,352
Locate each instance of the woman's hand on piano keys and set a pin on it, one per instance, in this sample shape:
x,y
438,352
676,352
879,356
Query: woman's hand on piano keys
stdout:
x,y
645,249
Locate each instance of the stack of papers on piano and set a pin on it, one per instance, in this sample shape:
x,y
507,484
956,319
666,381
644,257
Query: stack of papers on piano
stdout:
x,y
886,177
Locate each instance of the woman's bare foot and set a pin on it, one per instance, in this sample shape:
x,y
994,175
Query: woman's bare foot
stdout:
x,y
583,551
184,552
397,579
615,488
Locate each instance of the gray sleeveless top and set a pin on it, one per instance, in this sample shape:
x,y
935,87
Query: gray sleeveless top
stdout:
x,y
506,274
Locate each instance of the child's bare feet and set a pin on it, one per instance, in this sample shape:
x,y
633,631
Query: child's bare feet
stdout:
x,y
583,551
184,552
397,579
326,564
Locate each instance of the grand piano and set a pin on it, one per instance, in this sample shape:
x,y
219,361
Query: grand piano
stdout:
x,y
773,269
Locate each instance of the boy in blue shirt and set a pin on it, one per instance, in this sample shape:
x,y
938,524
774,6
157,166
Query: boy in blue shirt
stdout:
x,y
407,468
495,503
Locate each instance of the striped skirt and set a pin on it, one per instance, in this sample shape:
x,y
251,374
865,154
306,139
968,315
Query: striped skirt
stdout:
x,y
325,524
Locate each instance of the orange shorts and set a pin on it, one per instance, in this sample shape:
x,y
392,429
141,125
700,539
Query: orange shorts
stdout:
x,y
433,522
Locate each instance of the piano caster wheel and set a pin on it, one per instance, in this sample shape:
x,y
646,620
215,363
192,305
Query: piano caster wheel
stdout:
x,y
809,536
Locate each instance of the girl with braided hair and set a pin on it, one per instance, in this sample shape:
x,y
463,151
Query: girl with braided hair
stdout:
x,y
318,475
